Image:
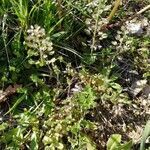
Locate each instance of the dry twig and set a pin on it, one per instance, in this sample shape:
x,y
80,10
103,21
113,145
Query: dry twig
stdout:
x,y
8,91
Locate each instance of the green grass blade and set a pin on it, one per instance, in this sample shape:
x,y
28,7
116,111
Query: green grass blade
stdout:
x,y
145,135
16,103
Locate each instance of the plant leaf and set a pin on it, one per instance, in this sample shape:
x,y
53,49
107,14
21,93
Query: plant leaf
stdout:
x,y
145,135
126,146
113,142
34,141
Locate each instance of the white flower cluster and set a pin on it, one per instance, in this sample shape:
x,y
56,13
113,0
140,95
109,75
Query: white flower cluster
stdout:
x,y
38,43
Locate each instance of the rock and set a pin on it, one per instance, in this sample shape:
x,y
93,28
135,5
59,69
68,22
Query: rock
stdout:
x,y
134,28
146,92
137,87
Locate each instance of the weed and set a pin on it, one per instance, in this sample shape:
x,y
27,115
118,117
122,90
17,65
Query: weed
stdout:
x,y
67,69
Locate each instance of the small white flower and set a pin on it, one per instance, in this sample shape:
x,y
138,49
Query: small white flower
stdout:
x,y
42,48
38,44
76,88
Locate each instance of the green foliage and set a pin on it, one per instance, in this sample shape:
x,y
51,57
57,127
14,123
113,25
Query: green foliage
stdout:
x,y
105,85
114,143
52,48
20,9
69,121
145,135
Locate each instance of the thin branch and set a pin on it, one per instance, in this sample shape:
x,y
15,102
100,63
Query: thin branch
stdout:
x,y
140,12
119,23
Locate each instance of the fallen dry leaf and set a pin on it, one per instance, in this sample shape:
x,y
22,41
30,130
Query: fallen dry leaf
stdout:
x,y
8,91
